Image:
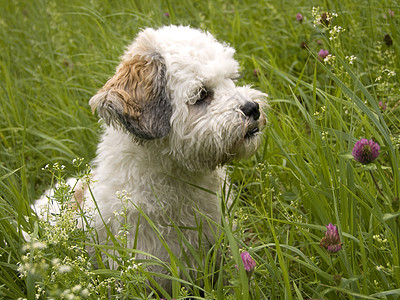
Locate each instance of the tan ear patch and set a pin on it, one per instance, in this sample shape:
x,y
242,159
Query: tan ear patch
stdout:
x,y
136,98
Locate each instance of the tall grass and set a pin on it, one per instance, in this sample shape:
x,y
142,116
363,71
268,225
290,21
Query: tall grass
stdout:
x,y
56,54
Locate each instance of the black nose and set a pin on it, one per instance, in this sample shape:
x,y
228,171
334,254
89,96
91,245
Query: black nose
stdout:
x,y
251,109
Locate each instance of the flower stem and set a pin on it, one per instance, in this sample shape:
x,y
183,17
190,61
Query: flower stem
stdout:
x,y
375,182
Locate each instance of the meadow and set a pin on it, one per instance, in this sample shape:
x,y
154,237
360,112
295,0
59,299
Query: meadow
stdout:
x,y
54,55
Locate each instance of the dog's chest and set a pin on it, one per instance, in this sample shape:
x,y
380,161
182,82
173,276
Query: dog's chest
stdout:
x,y
179,200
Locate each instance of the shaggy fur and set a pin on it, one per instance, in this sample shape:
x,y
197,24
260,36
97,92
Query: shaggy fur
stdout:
x,y
173,117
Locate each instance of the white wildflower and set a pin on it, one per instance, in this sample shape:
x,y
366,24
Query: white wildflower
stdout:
x,y
379,268
335,32
64,269
85,293
76,288
351,59
330,59
38,245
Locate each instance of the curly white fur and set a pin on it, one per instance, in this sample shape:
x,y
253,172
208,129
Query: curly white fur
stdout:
x,y
174,116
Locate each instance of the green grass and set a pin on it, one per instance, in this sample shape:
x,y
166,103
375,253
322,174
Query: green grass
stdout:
x,y
56,54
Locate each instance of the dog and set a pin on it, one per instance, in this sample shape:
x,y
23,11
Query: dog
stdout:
x,y
173,117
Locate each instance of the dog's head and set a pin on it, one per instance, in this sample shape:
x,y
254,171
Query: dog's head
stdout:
x,y
177,85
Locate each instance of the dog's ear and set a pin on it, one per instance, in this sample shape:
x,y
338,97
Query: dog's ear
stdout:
x,y
136,98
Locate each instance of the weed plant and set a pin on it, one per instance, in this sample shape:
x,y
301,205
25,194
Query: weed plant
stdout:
x,y
331,73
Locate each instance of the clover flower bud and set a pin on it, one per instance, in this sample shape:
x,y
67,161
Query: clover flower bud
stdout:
x,y
331,241
382,105
248,262
365,151
323,53
299,17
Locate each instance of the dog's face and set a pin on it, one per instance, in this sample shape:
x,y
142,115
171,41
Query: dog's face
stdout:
x,y
175,87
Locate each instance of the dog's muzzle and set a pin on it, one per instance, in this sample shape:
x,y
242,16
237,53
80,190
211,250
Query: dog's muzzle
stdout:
x,y
251,110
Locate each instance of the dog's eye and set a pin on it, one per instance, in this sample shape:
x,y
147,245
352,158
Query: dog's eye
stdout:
x,y
203,95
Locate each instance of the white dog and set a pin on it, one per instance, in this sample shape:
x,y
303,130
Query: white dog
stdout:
x,y
173,118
